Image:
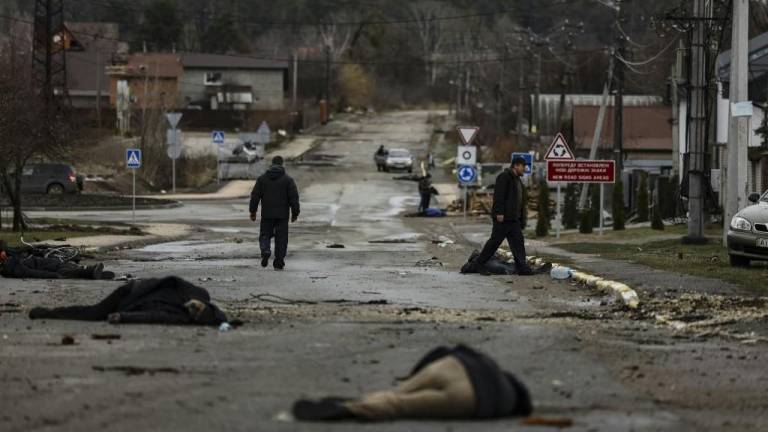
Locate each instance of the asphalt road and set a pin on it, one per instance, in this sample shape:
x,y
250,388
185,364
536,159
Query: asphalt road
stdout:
x,y
581,355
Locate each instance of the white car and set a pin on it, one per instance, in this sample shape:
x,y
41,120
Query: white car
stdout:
x,y
399,159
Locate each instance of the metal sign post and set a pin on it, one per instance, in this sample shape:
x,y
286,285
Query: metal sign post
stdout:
x,y
133,162
602,199
466,195
218,139
559,220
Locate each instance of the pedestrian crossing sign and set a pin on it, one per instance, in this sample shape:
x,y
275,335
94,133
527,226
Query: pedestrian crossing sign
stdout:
x,y
133,158
218,137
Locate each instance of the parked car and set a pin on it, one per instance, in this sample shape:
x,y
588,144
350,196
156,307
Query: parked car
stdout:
x,y
50,178
748,233
399,159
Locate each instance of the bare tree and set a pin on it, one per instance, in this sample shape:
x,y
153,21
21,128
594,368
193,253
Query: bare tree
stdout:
x,y
431,32
29,128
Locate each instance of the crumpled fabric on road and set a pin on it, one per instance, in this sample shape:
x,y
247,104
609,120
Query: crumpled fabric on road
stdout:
x,y
497,265
33,267
447,383
170,300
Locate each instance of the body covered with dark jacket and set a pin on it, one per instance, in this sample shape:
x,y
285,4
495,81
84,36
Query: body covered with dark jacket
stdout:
x,y
20,265
170,300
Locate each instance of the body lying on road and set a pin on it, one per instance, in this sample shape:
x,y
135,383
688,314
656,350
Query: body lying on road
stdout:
x,y
447,383
169,300
21,264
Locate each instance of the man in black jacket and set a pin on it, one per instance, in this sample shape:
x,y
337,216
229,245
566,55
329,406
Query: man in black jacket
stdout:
x,y
510,216
425,192
279,198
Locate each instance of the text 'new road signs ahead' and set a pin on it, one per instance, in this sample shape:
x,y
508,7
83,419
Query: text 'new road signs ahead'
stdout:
x,y
581,171
133,158
467,174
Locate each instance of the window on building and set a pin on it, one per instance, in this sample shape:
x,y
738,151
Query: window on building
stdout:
x,y
213,79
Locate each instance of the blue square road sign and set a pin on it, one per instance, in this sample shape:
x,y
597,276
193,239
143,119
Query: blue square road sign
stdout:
x,y
133,158
528,161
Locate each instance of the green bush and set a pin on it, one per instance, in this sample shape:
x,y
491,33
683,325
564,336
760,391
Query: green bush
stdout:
x,y
642,198
543,222
585,227
570,207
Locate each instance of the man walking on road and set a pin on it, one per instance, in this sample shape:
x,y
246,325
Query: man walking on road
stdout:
x,y
279,198
425,192
509,217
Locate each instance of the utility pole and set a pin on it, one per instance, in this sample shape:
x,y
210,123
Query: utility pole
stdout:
x,y
328,76
618,103
99,71
537,97
521,103
499,100
698,125
467,89
736,193
677,70
294,99
49,60
599,126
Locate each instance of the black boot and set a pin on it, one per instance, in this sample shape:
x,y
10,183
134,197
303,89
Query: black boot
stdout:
x,y
265,259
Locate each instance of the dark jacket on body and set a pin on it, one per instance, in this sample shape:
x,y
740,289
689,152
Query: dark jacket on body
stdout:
x,y
277,193
32,267
150,301
497,393
510,198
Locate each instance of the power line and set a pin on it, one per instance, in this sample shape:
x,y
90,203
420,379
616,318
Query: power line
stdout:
x,y
650,60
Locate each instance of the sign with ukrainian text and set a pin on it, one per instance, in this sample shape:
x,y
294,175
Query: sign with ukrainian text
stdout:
x,y
581,171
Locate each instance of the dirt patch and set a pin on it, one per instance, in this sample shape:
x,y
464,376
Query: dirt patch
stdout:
x,y
85,201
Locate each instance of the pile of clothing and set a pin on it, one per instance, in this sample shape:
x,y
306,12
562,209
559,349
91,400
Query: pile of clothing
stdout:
x,y
26,264
497,265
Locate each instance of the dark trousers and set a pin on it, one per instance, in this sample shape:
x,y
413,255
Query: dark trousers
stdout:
x,y
425,199
511,231
277,228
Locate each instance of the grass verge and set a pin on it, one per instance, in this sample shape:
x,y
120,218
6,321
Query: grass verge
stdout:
x,y
709,260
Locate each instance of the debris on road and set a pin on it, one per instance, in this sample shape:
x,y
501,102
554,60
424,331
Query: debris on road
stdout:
x,y
67,340
136,370
432,262
274,298
336,246
107,337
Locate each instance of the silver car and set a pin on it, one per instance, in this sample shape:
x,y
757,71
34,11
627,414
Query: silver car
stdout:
x,y
399,159
748,233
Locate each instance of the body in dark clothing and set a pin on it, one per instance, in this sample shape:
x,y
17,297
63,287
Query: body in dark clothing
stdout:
x,y
169,300
509,215
279,198
20,265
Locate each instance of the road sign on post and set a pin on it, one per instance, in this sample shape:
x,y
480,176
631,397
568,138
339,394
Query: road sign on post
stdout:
x,y
173,119
466,155
583,171
528,162
467,174
217,137
560,151
467,134
133,161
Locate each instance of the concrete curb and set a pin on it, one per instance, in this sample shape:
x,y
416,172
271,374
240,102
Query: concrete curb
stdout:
x,y
168,206
622,292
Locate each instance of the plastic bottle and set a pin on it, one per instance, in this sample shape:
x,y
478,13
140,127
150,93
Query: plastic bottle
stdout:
x,y
561,273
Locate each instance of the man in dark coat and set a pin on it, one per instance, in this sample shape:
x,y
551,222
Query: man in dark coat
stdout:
x,y
20,265
425,192
279,198
510,216
458,383
170,300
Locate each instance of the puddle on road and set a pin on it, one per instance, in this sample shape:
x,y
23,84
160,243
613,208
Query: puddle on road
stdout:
x,y
397,205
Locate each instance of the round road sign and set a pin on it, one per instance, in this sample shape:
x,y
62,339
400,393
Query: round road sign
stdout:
x,y
466,173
